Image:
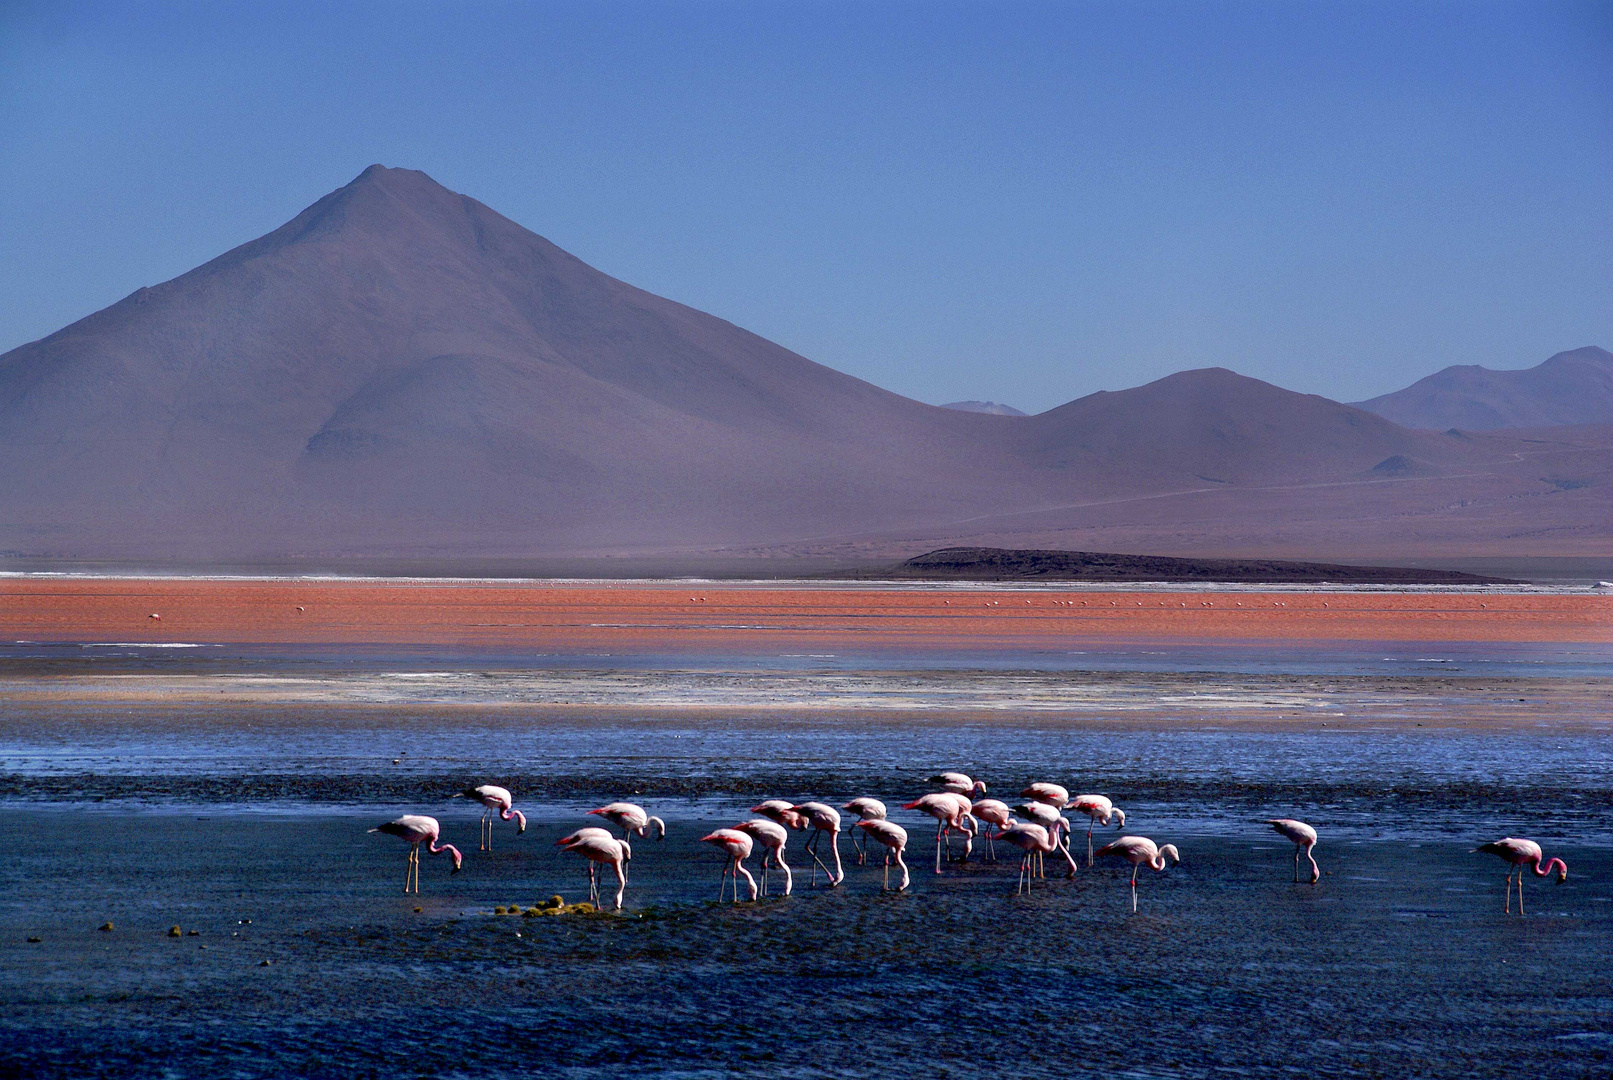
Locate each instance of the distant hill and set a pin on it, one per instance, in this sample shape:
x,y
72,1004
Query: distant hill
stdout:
x,y
1004,564
1570,388
991,407
400,373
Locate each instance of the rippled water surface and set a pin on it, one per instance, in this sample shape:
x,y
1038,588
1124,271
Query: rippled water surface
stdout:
x,y
230,794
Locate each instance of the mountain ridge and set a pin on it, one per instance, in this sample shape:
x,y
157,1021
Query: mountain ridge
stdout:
x,y
1572,387
399,370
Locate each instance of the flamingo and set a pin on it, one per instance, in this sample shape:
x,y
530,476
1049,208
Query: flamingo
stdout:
x,y
772,836
959,784
894,837
494,799
1031,839
596,832
631,818
1304,838
599,847
1519,854
780,811
1098,809
992,812
414,830
950,810
1140,851
1049,818
824,819
866,809
1053,795
738,847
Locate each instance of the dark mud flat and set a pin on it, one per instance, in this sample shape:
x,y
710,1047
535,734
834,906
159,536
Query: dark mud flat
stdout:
x,y
1029,564
1399,963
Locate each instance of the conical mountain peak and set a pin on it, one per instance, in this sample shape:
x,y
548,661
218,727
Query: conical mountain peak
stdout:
x,y
401,370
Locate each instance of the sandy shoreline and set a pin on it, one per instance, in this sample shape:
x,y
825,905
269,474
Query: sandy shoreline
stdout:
x,y
651,618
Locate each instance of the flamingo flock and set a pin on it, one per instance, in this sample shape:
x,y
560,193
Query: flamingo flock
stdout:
x,y
1036,827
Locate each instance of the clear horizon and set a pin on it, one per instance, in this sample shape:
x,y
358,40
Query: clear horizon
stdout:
x,y
1020,205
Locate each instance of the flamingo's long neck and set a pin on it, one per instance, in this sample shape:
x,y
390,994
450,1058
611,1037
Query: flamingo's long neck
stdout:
x,y
1543,867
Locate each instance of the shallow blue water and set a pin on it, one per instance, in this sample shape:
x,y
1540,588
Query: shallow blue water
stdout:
x,y
1399,962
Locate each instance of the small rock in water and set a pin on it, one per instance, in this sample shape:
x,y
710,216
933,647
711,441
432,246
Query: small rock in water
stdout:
x,y
265,963
555,901
173,931
418,910
194,933
34,941
499,910
106,927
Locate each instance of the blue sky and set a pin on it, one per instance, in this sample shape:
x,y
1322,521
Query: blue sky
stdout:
x,y
1015,201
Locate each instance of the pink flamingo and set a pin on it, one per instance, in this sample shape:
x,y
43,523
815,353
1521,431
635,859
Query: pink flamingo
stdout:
x,y
1519,854
782,812
1098,809
772,836
992,812
1052,794
894,837
1045,815
1140,851
959,784
494,799
866,809
1033,841
824,819
950,811
414,830
738,848
599,847
631,819
1304,838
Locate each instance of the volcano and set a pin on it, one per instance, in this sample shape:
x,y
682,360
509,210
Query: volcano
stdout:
x,y
399,372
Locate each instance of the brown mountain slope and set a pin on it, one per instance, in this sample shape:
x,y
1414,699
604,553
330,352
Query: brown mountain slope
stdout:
x,y
401,372
1573,387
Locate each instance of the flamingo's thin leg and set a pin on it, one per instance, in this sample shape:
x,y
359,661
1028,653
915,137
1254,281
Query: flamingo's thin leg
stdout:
x,y
812,849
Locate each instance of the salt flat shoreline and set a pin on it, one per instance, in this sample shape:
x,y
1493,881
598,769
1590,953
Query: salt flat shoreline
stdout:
x,y
706,616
